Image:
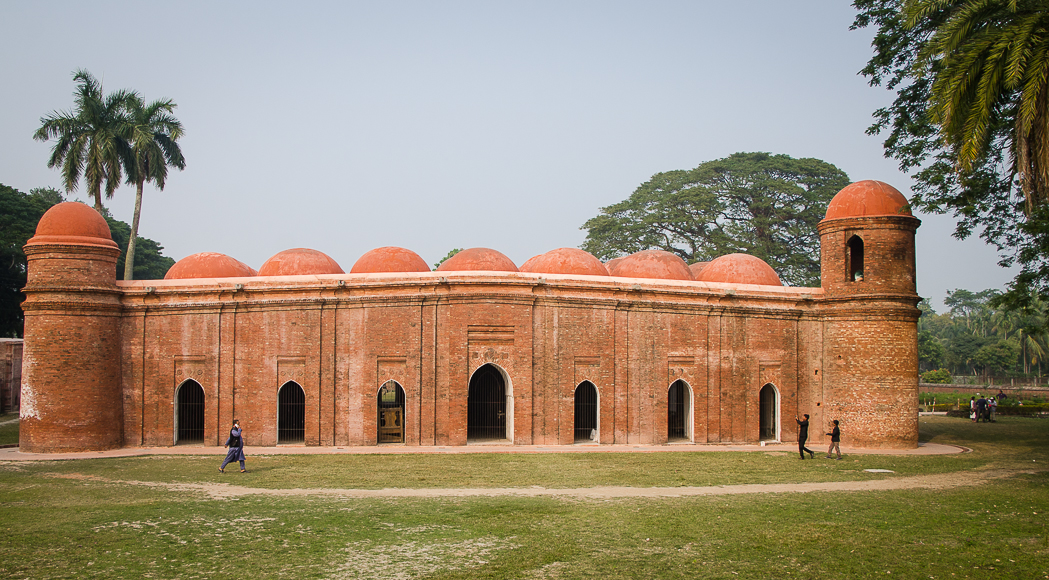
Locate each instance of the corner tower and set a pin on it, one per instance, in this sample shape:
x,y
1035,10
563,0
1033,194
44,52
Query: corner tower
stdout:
x,y
71,367
870,352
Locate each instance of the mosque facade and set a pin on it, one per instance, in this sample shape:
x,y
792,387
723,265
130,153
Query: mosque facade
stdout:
x,y
562,350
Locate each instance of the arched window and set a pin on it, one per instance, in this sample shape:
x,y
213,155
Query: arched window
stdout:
x,y
768,411
390,422
679,411
189,413
585,412
486,405
855,273
291,414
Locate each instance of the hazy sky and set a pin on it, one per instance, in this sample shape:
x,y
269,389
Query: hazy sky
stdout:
x,y
346,126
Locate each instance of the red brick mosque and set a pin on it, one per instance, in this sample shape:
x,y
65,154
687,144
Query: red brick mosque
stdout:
x,y
562,350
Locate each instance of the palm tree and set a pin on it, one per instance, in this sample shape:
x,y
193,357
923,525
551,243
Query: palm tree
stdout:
x,y
154,146
92,140
989,63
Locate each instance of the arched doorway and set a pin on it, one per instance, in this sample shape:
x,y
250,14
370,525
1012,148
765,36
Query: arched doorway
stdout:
x,y
189,413
486,405
291,414
768,410
390,422
679,411
585,412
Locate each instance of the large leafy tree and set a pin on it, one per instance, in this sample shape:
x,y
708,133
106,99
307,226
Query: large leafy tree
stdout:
x,y
756,203
968,118
154,146
92,140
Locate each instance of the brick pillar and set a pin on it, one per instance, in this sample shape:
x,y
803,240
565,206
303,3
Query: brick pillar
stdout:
x,y
71,393
870,315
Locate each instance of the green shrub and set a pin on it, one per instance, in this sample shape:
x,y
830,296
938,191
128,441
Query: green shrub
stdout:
x,y
940,376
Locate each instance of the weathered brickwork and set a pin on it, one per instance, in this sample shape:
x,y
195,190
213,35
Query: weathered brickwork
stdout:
x,y
105,360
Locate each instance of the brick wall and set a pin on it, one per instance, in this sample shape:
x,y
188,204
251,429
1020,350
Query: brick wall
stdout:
x,y
105,360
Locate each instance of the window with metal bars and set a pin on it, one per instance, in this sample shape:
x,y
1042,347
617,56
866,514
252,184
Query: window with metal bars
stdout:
x,y
390,422
486,405
291,414
677,411
190,413
586,412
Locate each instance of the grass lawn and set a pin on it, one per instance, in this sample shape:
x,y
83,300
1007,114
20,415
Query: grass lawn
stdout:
x,y
8,428
77,519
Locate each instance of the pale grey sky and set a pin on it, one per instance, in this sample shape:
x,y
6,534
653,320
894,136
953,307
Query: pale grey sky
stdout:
x,y
346,126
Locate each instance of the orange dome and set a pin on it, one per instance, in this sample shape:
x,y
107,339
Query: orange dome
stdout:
x,y
867,198
612,263
72,222
565,261
474,259
697,268
299,262
208,265
389,259
657,264
739,269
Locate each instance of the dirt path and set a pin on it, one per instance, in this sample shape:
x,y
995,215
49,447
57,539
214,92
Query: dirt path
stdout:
x,y
226,490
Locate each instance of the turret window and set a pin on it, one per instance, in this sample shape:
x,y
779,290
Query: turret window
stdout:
x,y
855,259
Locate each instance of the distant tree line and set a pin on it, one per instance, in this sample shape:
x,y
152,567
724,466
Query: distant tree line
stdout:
x,y
19,215
981,334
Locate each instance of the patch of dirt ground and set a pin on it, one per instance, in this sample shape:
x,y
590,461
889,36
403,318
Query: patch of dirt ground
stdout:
x,y
936,481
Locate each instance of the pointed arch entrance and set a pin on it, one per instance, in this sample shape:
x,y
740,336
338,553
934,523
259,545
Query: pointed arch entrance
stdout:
x,y
486,406
586,415
679,412
768,411
291,414
189,413
390,422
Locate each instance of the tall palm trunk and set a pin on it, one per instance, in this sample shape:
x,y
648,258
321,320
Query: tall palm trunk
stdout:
x,y
98,199
129,260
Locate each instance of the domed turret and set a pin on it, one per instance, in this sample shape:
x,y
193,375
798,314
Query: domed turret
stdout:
x,y
565,261
300,262
867,198
73,223
71,397
208,265
867,241
739,269
389,259
478,259
657,264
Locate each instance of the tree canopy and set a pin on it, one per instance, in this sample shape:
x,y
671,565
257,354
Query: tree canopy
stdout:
x,y
969,121
91,140
977,335
19,215
755,203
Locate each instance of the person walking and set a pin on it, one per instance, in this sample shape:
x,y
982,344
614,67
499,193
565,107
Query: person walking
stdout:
x,y
235,444
835,441
992,409
803,436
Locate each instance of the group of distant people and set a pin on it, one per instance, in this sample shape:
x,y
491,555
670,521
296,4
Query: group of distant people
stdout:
x,y
981,409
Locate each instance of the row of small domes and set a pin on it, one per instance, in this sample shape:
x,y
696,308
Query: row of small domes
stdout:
x,y
653,264
78,224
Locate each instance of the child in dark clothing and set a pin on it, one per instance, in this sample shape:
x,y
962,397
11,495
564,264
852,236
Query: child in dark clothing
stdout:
x,y
835,441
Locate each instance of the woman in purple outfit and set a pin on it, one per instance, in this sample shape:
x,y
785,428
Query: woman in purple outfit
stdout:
x,y
235,443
